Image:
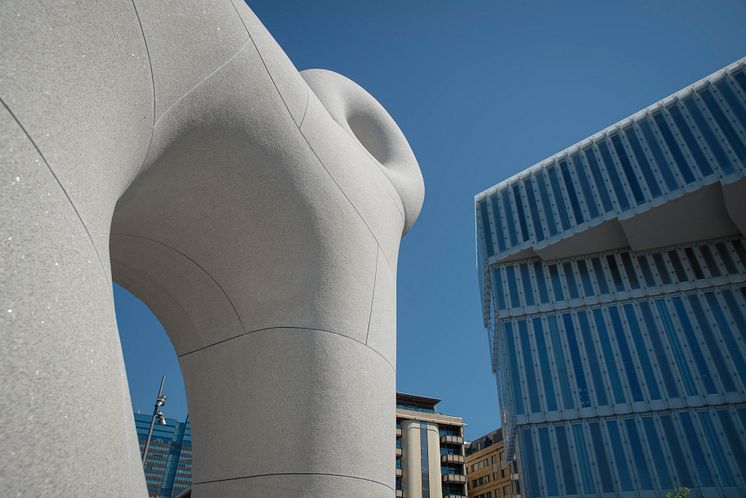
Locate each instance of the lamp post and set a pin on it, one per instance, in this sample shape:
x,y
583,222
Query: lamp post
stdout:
x,y
160,400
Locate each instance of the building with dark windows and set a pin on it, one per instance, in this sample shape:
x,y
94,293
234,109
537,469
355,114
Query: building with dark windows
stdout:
x,y
613,279
168,469
488,473
429,450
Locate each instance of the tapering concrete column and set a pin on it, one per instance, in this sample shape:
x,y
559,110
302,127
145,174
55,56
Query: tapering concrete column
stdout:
x,y
173,147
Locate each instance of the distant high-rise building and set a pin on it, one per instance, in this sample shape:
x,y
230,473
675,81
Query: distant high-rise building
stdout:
x,y
429,450
613,278
488,473
168,469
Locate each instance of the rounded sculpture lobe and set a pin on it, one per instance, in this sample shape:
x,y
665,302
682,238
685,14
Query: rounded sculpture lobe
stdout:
x,y
364,118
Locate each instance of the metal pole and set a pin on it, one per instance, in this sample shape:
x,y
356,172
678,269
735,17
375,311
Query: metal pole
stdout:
x,y
158,404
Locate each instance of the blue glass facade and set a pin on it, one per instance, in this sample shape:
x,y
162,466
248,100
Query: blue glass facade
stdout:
x,y
168,469
621,371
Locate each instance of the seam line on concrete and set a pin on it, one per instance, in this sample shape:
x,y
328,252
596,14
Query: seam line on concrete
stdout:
x,y
261,58
194,262
373,295
277,89
296,474
152,80
305,111
67,195
268,329
215,71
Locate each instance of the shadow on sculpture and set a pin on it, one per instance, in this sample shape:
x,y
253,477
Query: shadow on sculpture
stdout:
x,y
173,148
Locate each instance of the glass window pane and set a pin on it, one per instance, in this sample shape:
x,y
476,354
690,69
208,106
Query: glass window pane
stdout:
x,y
598,179
727,333
611,366
694,347
679,460
673,146
686,132
620,463
509,220
548,211
566,461
723,122
529,467
586,475
499,292
678,267
716,450
528,289
534,208
709,135
602,461
615,275
515,300
735,310
676,349
642,353
546,371
725,257
642,160
572,285
647,273
660,353
559,359
581,173
629,269
515,373
703,472
585,278
736,106
541,282
694,263
712,265
496,211
660,265
660,159
558,197
550,474
556,283
600,275
518,198
585,400
571,193
616,183
712,344
486,231
528,367
735,443
591,354
626,354
640,460
653,441
627,169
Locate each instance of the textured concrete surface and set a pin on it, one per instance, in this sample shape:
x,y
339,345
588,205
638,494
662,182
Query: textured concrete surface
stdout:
x,y
173,147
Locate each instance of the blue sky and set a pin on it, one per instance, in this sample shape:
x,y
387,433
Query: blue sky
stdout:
x,y
482,90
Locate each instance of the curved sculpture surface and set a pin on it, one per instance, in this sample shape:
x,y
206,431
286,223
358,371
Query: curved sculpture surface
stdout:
x,y
172,147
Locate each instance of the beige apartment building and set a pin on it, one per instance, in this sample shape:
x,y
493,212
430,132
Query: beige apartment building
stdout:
x,y
429,450
487,473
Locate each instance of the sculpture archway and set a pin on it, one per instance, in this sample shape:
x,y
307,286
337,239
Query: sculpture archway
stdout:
x,y
255,210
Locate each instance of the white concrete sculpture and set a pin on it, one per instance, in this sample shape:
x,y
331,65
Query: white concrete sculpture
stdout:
x,y
172,147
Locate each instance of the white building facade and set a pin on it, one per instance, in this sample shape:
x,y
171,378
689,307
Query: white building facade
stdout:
x,y
613,278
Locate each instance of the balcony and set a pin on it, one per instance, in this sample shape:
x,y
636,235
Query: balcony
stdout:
x,y
450,439
451,459
399,472
398,452
451,495
398,432
399,493
454,478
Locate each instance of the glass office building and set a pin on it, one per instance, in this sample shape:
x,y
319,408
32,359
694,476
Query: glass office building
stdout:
x,y
168,469
613,280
